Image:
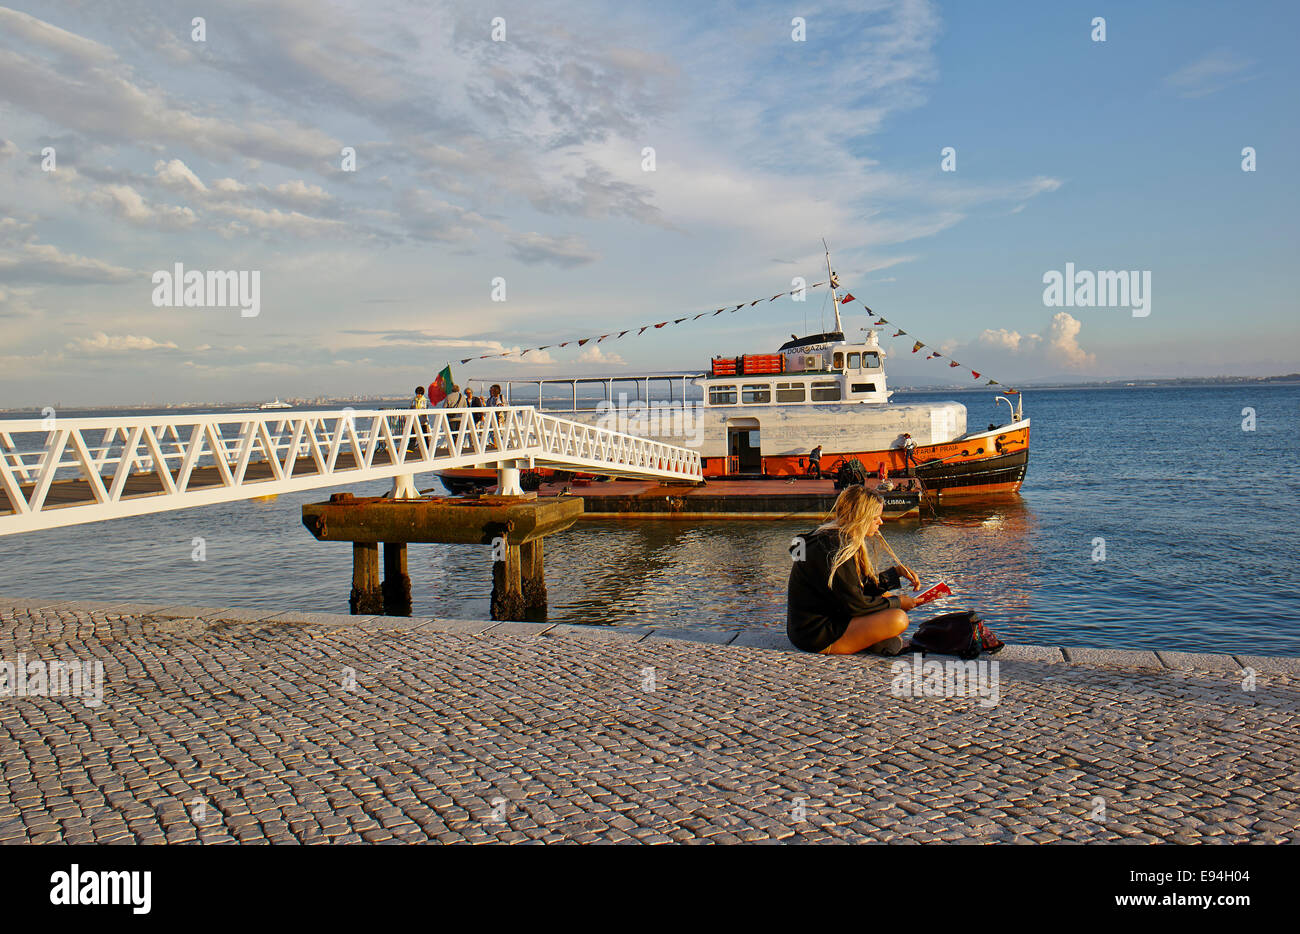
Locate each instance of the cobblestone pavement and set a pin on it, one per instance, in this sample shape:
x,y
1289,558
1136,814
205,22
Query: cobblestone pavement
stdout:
x,y
217,728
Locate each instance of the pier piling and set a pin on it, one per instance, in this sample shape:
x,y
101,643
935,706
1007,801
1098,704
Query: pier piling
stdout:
x,y
513,525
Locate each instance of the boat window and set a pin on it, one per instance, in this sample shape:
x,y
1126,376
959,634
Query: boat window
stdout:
x,y
839,361
864,387
855,361
871,361
751,395
790,392
722,395
826,392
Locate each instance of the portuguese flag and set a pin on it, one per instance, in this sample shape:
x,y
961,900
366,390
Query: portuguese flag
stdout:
x,y
441,386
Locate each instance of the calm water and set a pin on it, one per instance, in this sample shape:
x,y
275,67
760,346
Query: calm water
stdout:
x,y
1198,517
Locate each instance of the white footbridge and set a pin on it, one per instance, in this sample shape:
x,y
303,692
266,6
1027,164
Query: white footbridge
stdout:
x,y
66,471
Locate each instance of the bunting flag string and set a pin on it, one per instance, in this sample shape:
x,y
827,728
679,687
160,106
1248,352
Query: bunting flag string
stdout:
x,y
918,345
675,321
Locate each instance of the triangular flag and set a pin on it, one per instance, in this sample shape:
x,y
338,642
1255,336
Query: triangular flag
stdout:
x,y
699,316
813,286
566,343
583,341
848,297
737,308
880,322
661,324
679,321
776,296
642,331
975,374
954,363
524,353
917,346
899,333
754,302
992,382
718,312
621,333
466,360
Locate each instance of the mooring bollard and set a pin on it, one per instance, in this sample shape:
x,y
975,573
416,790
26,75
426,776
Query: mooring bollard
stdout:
x,y
513,525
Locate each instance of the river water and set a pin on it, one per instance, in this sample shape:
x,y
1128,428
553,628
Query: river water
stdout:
x,y
1197,518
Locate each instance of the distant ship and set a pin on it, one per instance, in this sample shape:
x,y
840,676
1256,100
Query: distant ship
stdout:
x,y
277,404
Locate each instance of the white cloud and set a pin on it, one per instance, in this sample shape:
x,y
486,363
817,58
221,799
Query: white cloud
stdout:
x,y
570,250
1209,74
45,263
101,342
177,175
594,354
1059,344
125,202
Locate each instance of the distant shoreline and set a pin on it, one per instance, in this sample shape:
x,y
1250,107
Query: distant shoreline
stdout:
x,y
401,401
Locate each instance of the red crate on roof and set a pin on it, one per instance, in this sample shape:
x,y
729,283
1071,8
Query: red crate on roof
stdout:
x,y
763,363
724,366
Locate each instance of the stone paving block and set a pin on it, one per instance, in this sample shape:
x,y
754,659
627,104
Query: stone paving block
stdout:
x,y
519,628
469,627
600,633
686,635
184,612
317,619
31,605
764,639
1113,658
137,609
1029,653
394,622
241,614
1198,661
1272,664
84,606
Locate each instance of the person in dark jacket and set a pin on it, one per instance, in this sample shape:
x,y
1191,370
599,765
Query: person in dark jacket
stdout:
x,y
838,602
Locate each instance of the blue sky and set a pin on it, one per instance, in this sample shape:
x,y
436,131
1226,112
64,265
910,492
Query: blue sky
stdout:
x,y
522,160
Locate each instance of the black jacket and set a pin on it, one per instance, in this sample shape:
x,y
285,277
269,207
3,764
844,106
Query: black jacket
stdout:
x,y
817,614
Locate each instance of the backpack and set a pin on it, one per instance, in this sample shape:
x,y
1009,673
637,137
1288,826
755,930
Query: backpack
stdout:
x,y
962,634
850,472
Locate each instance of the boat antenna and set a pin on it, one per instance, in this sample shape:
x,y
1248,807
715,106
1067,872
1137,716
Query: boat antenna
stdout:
x,y
835,298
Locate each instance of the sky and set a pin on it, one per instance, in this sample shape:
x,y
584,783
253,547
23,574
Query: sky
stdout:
x,y
517,163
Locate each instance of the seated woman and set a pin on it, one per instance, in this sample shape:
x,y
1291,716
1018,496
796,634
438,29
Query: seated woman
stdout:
x,y
838,602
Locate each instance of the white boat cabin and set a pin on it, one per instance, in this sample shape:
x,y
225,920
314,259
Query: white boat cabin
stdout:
x,y
822,368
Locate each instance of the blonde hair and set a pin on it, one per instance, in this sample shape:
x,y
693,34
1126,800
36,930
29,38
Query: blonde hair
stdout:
x,y
851,515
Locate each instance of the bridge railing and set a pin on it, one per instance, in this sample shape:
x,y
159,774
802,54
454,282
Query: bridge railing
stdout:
x,y
68,470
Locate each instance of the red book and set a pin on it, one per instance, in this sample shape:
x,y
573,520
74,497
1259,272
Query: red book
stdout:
x,y
937,592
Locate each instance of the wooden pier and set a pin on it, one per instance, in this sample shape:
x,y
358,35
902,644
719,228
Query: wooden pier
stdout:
x,y
513,525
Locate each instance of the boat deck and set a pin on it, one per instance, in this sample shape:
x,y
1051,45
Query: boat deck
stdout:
x,y
774,498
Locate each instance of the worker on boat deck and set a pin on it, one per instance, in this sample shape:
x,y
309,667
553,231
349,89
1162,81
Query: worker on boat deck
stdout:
x,y
815,460
909,453
839,603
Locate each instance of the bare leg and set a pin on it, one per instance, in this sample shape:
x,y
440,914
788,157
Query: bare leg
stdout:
x,y
866,631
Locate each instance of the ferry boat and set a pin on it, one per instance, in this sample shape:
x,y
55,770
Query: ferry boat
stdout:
x,y
277,404
760,416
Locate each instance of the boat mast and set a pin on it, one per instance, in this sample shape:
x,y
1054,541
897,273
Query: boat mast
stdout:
x,y
835,298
